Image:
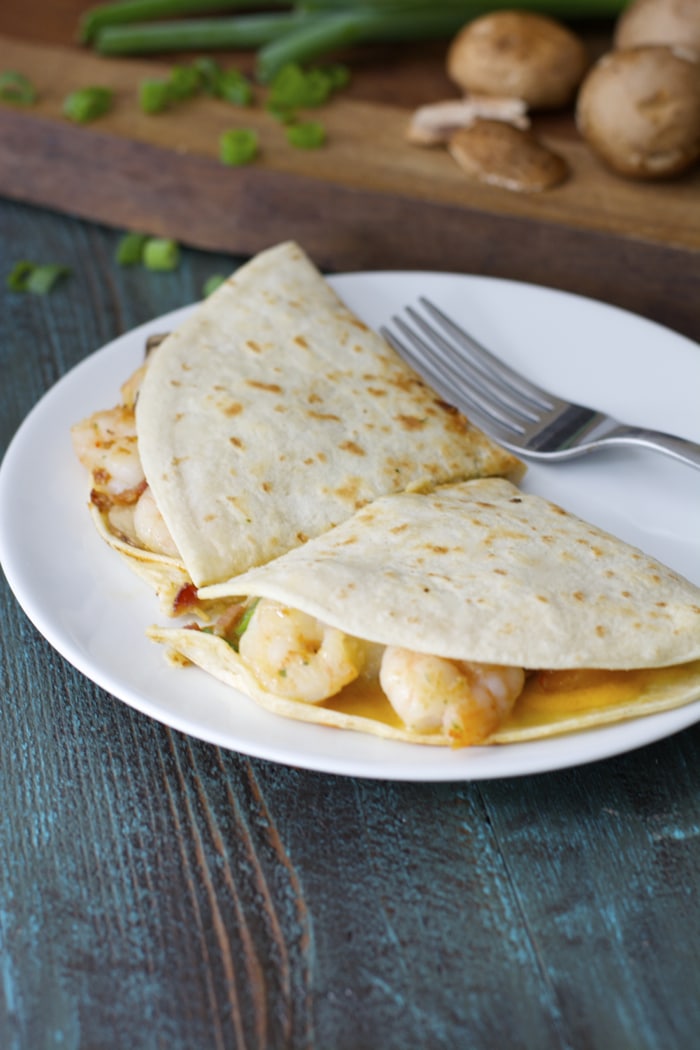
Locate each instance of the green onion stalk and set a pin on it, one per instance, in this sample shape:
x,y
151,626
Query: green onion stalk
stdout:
x,y
303,31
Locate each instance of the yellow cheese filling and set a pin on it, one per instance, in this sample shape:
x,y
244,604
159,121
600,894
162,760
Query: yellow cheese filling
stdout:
x,y
550,699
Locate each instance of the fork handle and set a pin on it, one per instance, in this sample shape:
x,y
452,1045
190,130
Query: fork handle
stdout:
x,y
679,448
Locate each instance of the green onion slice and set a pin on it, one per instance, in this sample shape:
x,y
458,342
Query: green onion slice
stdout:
x,y
155,95
184,82
161,253
130,249
238,146
87,104
43,278
212,283
233,87
38,279
309,134
15,87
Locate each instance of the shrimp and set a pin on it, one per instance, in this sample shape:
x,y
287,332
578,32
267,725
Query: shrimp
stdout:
x,y
150,528
296,656
468,701
106,444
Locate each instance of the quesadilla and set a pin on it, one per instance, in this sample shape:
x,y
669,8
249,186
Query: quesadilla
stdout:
x,y
473,614
271,415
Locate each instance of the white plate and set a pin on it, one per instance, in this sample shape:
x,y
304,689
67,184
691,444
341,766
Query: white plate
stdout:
x,y
94,611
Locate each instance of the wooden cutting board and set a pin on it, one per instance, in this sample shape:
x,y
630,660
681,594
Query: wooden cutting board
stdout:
x,y
368,199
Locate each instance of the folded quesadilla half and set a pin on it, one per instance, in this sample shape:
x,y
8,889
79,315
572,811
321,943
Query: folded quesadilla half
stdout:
x,y
473,614
270,415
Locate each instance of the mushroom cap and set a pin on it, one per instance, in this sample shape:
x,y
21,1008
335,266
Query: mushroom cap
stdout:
x,y
518,54
639,110
499,154
659,22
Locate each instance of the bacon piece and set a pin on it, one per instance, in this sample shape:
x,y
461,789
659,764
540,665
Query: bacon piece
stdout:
x,y
186,598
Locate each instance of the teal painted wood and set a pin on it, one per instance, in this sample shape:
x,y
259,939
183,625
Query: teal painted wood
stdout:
x,y
158,892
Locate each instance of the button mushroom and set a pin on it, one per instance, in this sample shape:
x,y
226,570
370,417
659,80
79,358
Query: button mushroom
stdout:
x,y
434,124
659,22
518,54
499,154
639,110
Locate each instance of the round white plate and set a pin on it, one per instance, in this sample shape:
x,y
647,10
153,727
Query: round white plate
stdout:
x,y
94,611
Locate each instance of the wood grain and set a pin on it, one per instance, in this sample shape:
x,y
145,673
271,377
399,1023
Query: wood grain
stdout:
x,y
367,200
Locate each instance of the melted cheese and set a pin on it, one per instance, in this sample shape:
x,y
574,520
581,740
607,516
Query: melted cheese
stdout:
x,y
549,698
364,698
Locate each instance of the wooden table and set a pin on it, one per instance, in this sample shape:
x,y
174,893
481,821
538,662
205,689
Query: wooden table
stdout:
x,y
156,891
368,200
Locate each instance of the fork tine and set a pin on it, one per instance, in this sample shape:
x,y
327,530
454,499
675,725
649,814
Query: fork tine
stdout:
x,y
446,352
499,427
485,361
459,382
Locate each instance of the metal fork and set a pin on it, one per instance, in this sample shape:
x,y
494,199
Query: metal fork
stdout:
x,y
509,408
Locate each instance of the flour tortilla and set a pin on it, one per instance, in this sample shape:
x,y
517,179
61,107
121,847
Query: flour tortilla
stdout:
x,y
273,413
483,572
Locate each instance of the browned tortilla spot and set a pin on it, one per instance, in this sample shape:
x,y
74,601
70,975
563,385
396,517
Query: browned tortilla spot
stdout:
x,y
271,388
410,422
352,446
324,415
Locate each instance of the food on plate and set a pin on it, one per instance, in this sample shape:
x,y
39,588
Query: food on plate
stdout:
x,y
518,54
270,415
639,110
498,154
473,614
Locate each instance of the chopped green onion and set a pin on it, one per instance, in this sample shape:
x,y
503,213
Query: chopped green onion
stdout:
x,y
308,135
130,249
212,283
15,87
160,253
295,88
155,95
233,87
281,113
87,104
242,625
238,146
209,72
35,278
184,82
19,275
43,278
